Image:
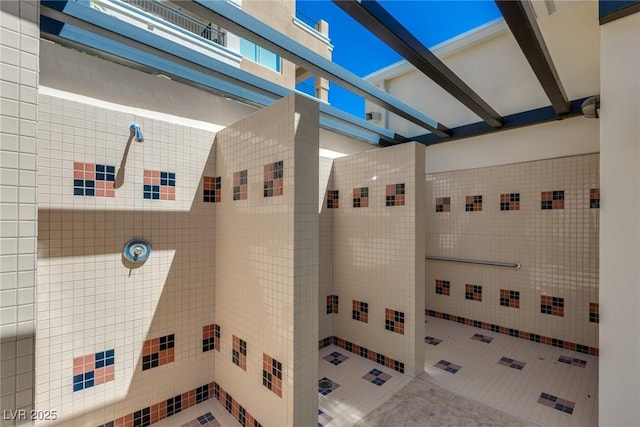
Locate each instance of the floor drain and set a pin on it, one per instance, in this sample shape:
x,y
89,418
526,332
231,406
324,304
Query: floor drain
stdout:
x,y
325,384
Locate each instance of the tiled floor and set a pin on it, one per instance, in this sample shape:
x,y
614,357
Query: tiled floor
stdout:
x,y
209,413
364,385
545,385
536,383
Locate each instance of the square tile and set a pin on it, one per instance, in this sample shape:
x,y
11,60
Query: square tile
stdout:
x,y
448,366
335,358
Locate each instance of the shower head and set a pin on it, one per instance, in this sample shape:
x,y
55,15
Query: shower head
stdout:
x,y
135,130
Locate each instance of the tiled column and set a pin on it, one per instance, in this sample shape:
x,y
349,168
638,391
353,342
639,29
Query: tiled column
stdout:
x,y
266,262
377,203
19,44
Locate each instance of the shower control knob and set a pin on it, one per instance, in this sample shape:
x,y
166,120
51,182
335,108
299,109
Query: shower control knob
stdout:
x,y
137,250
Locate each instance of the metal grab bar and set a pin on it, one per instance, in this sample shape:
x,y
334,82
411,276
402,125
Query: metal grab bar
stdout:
x,y
475,261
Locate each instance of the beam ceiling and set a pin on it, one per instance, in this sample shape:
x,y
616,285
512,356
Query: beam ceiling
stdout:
x,y
371,15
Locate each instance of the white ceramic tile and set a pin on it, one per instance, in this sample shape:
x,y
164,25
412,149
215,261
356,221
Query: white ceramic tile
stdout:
x,y
515,392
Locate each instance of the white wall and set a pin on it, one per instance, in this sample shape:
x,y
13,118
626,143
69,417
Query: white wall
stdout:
x,y
562,138
620,223
72,71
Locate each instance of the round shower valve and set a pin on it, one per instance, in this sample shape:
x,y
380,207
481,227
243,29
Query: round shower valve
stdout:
x,y
137,250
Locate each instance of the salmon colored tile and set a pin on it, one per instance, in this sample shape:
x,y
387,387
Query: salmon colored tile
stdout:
x,y
162,410
78,174
119,422
89,167
146,348
170,355
110,193
109,373
89,362
78,362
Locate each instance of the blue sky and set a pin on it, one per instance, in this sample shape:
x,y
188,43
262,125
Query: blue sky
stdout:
x,y
357,50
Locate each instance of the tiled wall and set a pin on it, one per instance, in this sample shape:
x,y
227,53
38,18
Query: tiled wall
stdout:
x,y
266,274
378,255
543,215
138,331
326,247
19,61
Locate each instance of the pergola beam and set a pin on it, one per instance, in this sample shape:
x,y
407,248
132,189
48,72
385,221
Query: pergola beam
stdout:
x,y
521,20
372,16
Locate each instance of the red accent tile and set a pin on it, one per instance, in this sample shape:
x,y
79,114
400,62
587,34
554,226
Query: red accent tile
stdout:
x,y
89,362
98,376
171,193
78,365
146,348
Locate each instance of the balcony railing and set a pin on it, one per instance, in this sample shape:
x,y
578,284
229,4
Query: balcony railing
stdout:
x,y
175,17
